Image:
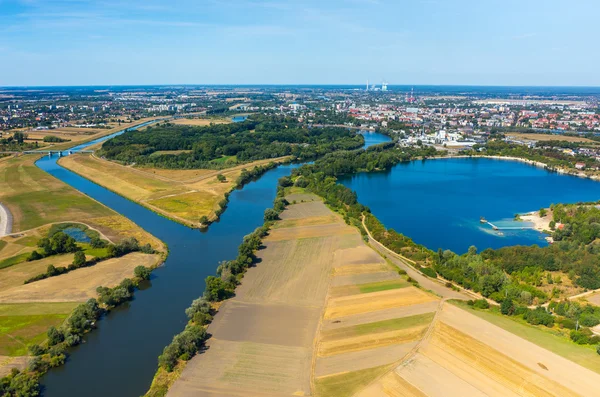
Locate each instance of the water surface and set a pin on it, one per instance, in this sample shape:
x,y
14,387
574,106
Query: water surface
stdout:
x,y
438,203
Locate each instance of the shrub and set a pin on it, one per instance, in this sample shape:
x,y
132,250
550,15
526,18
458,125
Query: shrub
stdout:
x,y
507,307
429,272
142,272
539,316
567,323
271,215
79,259
55,336
36,350
34,256
217,289
481,304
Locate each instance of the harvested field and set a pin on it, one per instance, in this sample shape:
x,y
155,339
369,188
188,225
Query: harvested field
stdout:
x,y
14,276
370,341
365,303
78,285
370,268
365,278
310,221
305,210
391,385
466,356
184,195
304,279
363,359
354,289
381,315
550,137
262,339
199,122
245,369
262,323
302,198
345,384
301,232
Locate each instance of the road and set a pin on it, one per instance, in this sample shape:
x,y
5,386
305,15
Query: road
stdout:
x,y
5,221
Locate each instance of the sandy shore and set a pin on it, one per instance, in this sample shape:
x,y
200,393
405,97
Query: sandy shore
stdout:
x,y
5,221
538,222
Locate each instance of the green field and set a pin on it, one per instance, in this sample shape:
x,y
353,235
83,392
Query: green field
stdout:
x,y
379,326
2,244
550,339
35,198
347,383
23,324
13,260
383,286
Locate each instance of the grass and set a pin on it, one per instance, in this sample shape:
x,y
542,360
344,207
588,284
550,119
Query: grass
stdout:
x,y
347,383
382,286
96,252
225,159
13,260
23,324
379,326
2,244
28,241
35,198
547,338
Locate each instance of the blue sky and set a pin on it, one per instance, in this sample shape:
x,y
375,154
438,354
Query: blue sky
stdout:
x,y
487,42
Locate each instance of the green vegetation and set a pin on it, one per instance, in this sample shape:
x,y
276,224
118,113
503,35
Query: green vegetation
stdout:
x,y
60,243
13,260
221,145
54,139
347,383
382,286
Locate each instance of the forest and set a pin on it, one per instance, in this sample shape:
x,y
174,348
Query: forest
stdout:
x,y
206,147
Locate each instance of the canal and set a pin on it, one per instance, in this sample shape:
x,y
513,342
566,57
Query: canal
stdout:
x,y
120,357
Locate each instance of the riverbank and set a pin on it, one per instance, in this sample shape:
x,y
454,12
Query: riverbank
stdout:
x,y
184,196
537,164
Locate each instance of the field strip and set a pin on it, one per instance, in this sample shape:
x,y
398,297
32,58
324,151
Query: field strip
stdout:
x,y
5,221
348,270
391,385
370,341
80,284
381,315
363,359
354,279
561,370
365,303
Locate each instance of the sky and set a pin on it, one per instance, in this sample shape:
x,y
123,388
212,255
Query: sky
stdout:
x,y
445,42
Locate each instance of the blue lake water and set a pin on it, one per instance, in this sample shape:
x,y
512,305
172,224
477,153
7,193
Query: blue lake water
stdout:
x,y
438,203
78,234
374,138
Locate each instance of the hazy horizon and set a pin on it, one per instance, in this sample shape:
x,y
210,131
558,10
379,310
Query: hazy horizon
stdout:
x,y
274,42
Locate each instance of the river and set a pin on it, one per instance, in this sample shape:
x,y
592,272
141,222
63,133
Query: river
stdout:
x,y
438,203
120,357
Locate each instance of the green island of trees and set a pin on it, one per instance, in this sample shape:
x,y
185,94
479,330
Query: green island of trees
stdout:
x,y
261,137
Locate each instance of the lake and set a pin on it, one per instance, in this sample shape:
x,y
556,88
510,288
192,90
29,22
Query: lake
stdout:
x,y
438,203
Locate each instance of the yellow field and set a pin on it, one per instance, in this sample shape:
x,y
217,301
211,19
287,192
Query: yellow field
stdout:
x,y
78,285
183,195
356,304
200,122
550,137
463,355
262,340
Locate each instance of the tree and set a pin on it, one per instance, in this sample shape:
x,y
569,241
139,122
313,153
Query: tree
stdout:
x,y
79,259
204,220
217,289
543,212
472,250
221,178
142,272
507,307
271,215
54,336
19,137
